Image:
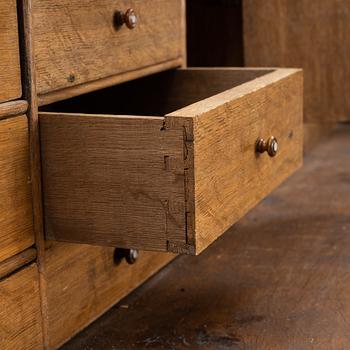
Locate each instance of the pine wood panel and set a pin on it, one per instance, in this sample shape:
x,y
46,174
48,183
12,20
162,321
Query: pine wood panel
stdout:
x,y
172,183
310,34
85,46
10,72
83,282
20,315
16,232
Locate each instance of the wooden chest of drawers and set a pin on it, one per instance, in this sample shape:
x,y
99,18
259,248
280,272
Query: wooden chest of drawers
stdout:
x,y
164,163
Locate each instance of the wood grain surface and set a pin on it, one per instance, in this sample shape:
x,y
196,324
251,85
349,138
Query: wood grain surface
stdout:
x,y
83,282
309,34
17,261
225,176
84,44
278,280
10,71
114,181
172,183
20,315
13,108
16,222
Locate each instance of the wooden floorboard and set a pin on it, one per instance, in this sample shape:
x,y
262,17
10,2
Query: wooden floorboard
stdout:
x,y
279,279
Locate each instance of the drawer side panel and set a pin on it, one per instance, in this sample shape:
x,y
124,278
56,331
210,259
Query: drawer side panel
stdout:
x,y
113,181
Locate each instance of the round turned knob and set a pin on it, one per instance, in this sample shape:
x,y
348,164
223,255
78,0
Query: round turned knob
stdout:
x,y
270,146
129,18
130,255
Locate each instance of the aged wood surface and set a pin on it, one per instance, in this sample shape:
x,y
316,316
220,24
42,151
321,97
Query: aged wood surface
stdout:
x,y
20,315
226,176
83,282
10,71
16,222
75,90
308,34
30,94
17,261
279,279
13,108
121,185
205,150
85,45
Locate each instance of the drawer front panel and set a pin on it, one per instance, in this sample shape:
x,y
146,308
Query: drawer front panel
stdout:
x,y
178,182
20,314
78,41
83,282
16,231
10,74
226,174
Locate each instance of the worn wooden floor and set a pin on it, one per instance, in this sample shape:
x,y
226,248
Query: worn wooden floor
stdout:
x,y
279,279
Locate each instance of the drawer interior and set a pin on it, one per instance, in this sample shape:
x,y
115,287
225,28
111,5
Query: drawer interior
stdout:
x,y
159,94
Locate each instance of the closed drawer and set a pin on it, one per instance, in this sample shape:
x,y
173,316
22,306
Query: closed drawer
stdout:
x,y
20,314
83,281
16,231
10,74
168,181
77,41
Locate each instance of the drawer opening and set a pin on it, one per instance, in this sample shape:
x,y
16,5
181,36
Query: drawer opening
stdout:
x,y
158,94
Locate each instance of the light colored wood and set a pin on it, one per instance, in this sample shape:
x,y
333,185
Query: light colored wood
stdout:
x,y
17,261
84,45
227,177
83,282
68,92
13,108
16,223
20,319
173,183
310,34
10,72
126,171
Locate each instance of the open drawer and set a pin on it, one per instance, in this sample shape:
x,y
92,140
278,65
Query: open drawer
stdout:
x,y
171,161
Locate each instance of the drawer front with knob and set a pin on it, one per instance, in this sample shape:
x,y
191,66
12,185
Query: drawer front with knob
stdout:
x,y
174,182
89,41
82,282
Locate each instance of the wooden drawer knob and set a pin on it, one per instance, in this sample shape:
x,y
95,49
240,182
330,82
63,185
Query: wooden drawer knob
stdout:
x,y
270,146
129,18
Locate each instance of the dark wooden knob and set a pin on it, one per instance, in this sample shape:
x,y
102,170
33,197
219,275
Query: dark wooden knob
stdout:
x,y
129,18
270,146
130,255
